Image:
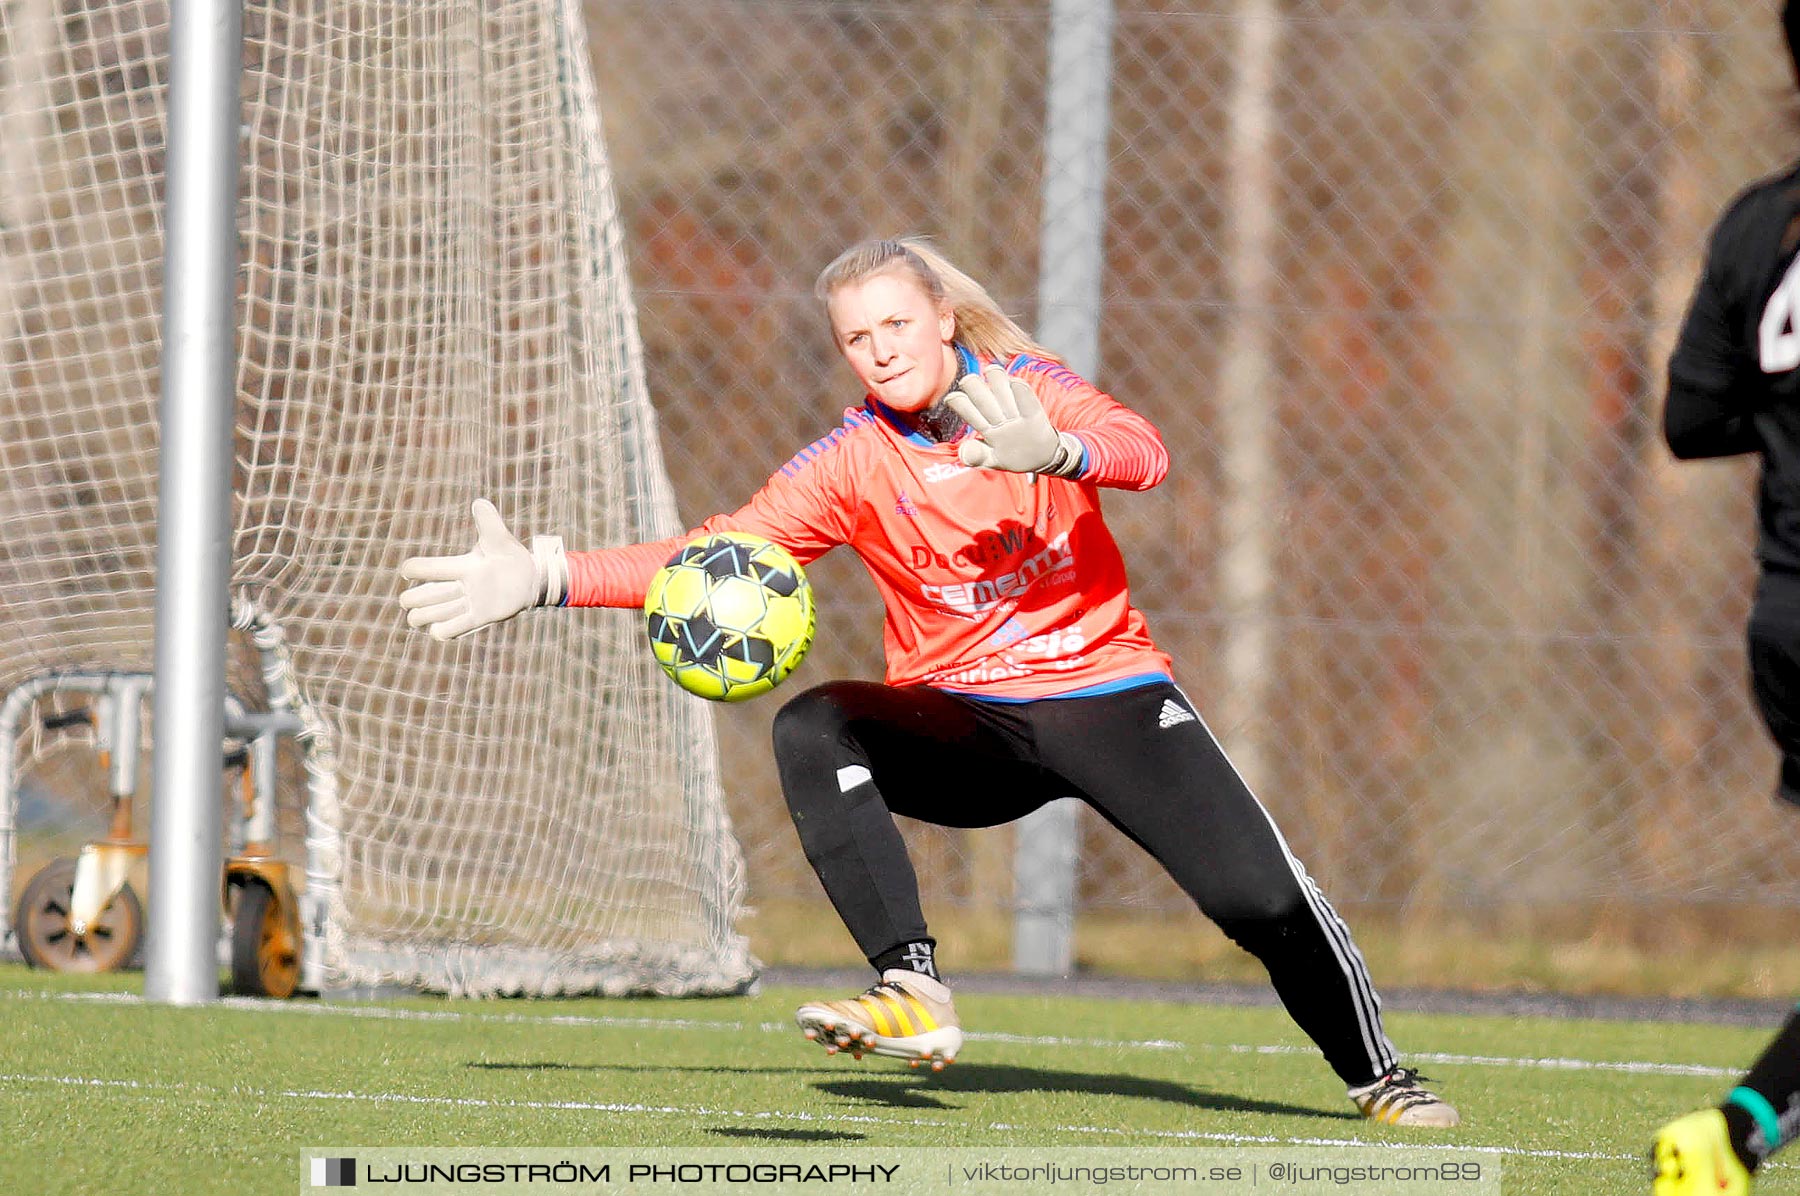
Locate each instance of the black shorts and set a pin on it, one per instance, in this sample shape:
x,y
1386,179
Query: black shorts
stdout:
x,y
1774,649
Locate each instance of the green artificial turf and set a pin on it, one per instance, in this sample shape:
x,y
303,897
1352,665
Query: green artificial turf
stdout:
x,y
101,1092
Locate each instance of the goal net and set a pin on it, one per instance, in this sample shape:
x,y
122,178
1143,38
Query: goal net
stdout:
x,y
433,307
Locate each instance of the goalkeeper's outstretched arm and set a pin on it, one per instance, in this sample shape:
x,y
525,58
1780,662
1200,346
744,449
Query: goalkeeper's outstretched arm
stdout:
x,y
452,596
455,595
493,581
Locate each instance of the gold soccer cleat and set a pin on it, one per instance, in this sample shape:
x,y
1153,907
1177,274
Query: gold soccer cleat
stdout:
x,y
1398,1098
904,1015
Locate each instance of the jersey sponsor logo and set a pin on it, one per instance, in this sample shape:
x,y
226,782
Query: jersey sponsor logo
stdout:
x,y
988,549
905,506
972,598
943,471
1011,632
1060,649
984,674
1060,642
1007,667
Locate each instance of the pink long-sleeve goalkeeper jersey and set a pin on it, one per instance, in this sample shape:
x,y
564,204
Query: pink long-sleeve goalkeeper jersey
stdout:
x,y
996,584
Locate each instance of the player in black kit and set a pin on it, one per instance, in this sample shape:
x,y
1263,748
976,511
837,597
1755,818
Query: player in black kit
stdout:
x,y
1734,387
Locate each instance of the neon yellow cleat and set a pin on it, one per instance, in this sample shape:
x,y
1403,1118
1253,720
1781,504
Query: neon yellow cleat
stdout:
x,y
1692,1156
905,1015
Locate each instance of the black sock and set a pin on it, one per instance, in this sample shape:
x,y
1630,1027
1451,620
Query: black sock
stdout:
x,y
1763,1105
919,956
1738,1127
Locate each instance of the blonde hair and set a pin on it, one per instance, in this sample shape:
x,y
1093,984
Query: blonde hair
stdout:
x,y
980,324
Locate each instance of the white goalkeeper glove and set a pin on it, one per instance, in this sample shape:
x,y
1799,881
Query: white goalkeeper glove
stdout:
x,y
1011,430
489,584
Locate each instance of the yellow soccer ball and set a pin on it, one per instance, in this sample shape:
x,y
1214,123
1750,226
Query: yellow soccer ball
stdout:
x,y
730,616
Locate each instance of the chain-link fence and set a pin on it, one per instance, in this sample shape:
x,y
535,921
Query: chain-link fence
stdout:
x,y
1397,280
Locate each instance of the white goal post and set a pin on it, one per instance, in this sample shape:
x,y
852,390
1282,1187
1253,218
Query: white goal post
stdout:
x,y
433,306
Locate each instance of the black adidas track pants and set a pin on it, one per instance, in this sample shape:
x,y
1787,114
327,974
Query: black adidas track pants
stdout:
x,y
854,753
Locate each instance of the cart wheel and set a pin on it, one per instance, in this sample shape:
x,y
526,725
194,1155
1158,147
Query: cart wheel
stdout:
x,y
46,939
265,944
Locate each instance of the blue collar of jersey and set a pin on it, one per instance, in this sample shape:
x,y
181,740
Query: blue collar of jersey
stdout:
x,y
968,363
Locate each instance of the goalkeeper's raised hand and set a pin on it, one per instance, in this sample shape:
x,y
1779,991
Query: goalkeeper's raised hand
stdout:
x,y
489,584
1011,430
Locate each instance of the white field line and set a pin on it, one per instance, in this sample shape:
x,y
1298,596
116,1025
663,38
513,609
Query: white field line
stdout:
x,y
736,1027
1626,1067
560,1019
139,1087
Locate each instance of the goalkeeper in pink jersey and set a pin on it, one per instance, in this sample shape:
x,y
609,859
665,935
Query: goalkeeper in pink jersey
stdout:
x,y
1018,671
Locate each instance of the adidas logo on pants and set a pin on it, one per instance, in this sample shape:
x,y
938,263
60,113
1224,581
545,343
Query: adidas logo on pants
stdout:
x,y
1173,714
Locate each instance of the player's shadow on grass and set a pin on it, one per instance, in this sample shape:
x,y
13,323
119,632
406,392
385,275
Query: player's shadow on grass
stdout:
x,y
925,1091
770,1135
919,1090
645,1068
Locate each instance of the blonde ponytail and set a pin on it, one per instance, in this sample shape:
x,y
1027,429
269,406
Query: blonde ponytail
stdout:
x,y
980,324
